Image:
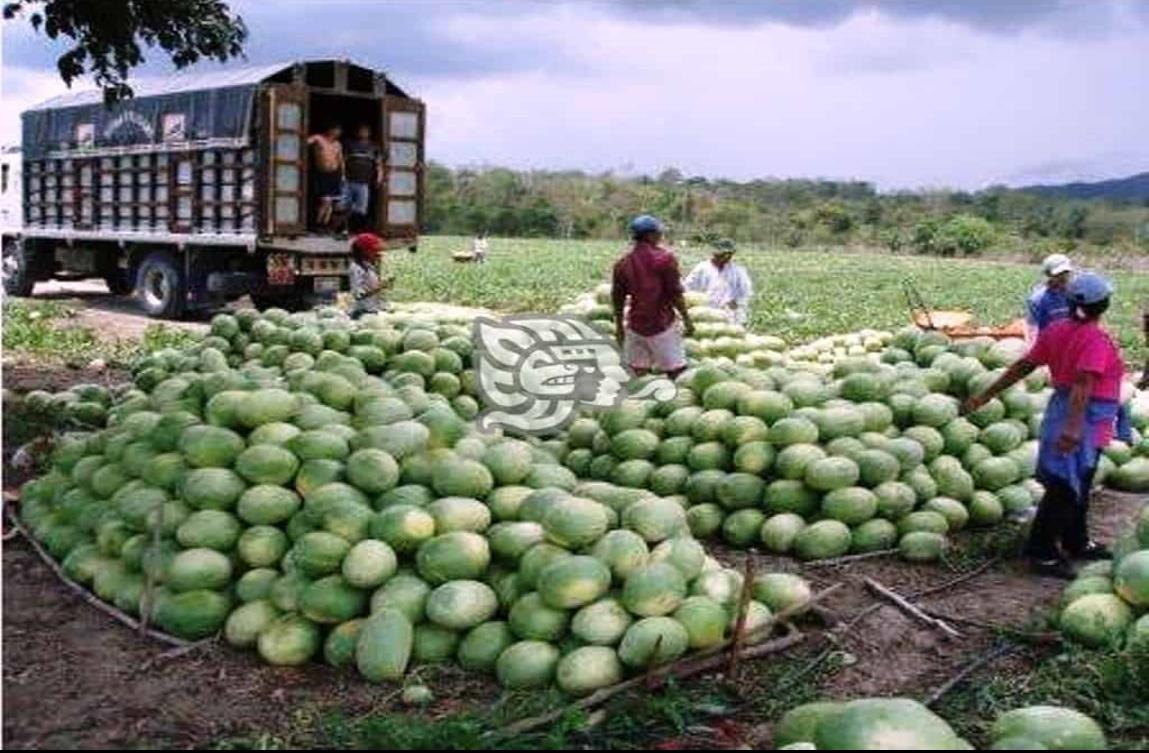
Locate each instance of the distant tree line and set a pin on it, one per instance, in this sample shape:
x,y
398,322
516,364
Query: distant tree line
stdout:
x,y
574,204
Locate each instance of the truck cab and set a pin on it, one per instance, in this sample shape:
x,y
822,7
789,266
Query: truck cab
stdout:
x,y
202,188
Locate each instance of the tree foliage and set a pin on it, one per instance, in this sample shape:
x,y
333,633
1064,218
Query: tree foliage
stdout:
x,y
108,37
792,213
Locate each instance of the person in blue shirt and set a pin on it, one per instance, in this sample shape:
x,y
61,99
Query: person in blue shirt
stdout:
x,y
1047,301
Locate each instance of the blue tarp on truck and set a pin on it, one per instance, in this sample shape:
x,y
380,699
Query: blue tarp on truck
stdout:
x,y
206,108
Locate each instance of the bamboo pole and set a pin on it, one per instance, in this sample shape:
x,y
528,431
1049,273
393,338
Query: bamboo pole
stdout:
x,y
910,609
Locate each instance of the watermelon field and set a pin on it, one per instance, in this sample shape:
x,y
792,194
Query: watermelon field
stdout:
x,y
800,294
281,530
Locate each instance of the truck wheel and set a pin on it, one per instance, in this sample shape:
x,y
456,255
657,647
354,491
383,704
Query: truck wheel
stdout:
x,y
161,286
18,278
120,282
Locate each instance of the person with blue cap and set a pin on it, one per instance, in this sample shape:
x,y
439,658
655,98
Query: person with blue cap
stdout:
x,y
1086,369
646,293
1047,301
726,284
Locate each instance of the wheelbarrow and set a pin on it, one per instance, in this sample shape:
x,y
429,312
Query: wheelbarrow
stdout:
x,y
954,324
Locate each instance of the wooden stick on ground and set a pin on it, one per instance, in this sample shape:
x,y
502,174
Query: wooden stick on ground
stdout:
x,y
1021,635
828,616
87,596
998,652
692,666
767,627
179,651
149,572
910,609
702,661
845,560
956,581
740,623
966,576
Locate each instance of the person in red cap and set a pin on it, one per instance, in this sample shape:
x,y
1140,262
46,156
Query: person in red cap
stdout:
x,y
367,285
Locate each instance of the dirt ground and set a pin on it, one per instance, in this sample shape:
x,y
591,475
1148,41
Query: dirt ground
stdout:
x,y
21,377
101,311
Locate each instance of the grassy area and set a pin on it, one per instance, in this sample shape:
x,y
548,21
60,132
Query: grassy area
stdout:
x,y
42,330
800,295
706,712
1111,687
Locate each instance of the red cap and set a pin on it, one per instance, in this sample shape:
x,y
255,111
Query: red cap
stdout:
x,y
368,244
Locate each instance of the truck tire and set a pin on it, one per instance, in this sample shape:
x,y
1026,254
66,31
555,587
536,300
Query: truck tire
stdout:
x,y
161,286
18,277
120,282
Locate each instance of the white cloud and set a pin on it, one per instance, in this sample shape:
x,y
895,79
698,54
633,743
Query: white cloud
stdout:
x,y
20,88
904,99
903,102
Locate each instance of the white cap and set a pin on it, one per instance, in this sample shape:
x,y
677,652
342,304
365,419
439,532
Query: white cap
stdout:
x,y
1056,264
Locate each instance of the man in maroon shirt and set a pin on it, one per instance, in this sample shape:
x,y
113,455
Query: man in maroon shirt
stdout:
x,y
648,276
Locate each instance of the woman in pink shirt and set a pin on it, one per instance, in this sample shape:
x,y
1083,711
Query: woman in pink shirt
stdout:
x,y
1086,369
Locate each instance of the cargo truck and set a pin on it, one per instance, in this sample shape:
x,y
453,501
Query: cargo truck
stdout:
x,y
197,190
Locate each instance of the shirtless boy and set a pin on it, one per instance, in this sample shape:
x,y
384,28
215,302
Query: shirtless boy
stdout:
x,y
327,151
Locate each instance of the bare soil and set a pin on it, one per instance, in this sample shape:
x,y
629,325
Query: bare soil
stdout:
x,y
118,317
75,678
25,376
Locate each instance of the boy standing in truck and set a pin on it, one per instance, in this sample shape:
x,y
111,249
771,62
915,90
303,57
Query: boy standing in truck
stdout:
x,y
364,170
327,156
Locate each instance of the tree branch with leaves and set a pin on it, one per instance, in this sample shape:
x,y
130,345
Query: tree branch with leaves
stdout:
x,y
108,37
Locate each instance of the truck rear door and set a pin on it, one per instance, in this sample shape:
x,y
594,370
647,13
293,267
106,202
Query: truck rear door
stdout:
x,y
285,154
402,191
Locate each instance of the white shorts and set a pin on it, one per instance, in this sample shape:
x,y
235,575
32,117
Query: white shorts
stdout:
x,y
663,351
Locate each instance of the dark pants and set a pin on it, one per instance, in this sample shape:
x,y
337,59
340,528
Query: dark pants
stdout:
x,y
1061,519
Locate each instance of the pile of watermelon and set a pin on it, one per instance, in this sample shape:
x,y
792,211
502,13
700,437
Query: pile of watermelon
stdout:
x,y
905,724
820,459
715,337
313,488
1125,466
316,487
1108,604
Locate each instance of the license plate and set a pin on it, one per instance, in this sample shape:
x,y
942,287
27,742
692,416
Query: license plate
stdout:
x,y
327,285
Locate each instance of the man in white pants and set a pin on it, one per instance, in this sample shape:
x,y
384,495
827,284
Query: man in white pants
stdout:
x,y
726,284
648,278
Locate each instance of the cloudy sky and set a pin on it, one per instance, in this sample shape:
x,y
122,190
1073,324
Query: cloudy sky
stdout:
x,y
905,93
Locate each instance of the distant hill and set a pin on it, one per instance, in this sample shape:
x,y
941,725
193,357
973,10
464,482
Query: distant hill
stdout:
x,y
1133,188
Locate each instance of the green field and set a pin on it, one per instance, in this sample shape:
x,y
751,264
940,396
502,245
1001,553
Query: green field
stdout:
x,y
799,295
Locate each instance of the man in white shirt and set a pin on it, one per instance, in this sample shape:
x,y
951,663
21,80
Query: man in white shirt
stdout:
x,y
726,284
479,248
